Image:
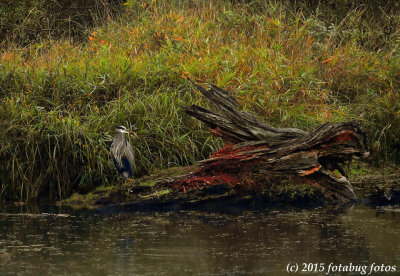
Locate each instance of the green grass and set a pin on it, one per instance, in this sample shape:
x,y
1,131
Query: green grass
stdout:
x,y
294,65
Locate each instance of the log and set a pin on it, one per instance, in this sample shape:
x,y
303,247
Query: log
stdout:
x,y
258,155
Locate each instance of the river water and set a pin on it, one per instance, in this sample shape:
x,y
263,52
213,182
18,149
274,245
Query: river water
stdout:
x,y
260,242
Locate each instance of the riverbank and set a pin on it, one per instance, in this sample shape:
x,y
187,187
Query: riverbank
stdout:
x,y
139,195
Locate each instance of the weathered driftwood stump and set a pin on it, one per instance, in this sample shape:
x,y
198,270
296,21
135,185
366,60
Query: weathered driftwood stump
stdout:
x,y
258,156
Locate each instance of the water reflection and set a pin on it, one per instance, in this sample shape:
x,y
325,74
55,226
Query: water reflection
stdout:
x,y
192,243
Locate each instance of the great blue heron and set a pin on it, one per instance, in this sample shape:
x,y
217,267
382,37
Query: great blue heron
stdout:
x,y
122,153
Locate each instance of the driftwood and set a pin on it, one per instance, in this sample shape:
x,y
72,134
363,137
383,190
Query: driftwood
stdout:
x,y
258,155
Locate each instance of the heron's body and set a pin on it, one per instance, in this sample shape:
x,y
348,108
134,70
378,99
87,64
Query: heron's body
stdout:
x,y
122,153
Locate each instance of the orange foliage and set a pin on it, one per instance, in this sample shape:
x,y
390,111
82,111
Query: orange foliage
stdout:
x,y
180,20
313,170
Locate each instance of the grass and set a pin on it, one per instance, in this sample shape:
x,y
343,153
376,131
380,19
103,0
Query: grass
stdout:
x,y
293,64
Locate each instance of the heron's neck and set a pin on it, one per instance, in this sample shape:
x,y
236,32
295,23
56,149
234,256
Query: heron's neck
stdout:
x,y
119,136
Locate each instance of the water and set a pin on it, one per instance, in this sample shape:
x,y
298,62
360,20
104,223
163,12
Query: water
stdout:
x,y
194,243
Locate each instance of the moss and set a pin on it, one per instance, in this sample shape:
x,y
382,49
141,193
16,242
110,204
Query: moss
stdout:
x,y
290,192
157,194
159,176
88,200
359,169
121,194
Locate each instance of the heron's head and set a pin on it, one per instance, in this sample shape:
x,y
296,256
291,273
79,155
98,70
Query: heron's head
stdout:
x,y
122,129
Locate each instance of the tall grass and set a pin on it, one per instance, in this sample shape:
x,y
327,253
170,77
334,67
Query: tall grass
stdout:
x,y
294,64
25,22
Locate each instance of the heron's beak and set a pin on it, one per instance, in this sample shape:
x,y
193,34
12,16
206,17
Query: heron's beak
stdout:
x,y
132,132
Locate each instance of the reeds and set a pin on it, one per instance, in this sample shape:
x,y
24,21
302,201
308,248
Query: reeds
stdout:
x,y
293,65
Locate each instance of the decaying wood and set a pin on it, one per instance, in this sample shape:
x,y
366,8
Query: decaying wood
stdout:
x,y
237,126
258,153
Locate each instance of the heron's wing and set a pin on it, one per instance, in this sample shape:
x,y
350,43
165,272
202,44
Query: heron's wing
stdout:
x,y
127,171
114,154
120,167
129,155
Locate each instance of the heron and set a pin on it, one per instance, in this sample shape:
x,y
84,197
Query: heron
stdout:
x,y
122,153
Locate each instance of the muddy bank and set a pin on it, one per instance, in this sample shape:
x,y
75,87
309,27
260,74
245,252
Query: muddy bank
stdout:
x,y
147,194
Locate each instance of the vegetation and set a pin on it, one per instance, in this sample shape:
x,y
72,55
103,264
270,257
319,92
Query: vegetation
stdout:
x,y
294,63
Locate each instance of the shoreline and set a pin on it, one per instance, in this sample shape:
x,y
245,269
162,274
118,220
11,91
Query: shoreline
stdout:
x,y
138,195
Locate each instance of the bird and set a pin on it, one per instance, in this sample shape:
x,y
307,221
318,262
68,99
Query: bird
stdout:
x,y
122,152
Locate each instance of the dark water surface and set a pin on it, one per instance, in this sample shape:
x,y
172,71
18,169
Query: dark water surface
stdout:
x,y
195,243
